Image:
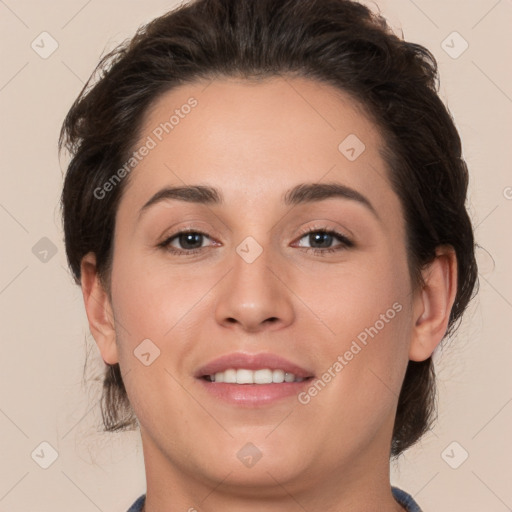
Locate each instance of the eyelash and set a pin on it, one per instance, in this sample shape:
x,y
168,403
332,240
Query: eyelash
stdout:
x,y
345,242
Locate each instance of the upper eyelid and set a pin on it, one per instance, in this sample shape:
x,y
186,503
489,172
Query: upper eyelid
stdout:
x,y
320,224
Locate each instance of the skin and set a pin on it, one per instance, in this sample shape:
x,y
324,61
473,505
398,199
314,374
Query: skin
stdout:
x,y
254,142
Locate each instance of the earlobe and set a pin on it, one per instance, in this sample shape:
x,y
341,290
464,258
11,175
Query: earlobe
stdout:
x,y
98,309
433,304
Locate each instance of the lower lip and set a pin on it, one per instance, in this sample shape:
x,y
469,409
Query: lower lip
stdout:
x,y
253,395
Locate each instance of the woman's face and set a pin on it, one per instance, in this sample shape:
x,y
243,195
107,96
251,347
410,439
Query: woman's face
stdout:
x,y
255,287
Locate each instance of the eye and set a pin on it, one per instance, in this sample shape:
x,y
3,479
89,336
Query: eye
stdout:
x,y
191,242
321,239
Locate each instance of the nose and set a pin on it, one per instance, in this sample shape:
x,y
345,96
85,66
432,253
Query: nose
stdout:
x,y
255,295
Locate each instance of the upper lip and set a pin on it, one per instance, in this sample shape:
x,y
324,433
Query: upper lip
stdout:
x,y
259,361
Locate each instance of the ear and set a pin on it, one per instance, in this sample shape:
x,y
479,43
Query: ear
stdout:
x,y
433,304
99,309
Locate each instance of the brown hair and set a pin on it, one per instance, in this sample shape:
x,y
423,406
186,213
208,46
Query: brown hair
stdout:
x,y
338,42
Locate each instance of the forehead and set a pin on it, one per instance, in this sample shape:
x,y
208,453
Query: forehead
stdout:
x,y
256,139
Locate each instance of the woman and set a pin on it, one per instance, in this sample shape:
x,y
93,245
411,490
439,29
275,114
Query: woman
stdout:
x,y
265,209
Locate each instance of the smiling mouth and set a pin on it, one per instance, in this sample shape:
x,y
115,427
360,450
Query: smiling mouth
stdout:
x,y
261,376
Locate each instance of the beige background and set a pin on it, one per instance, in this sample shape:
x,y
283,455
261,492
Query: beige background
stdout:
x,y
44,331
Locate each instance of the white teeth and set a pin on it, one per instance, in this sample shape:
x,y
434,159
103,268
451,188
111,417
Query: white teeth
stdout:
x,y
244,377
263,376
229,376
277,376
289,377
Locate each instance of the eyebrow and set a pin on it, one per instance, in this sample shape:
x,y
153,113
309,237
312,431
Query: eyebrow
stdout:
x,y
303,193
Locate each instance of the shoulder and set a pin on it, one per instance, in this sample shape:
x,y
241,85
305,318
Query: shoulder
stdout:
x,y
137,506
406,500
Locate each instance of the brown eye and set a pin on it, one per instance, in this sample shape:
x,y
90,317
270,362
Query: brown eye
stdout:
x,y
189,242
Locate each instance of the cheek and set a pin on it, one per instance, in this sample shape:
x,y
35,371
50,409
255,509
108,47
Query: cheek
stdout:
x,y
153,299
368,312
356,295
362,377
